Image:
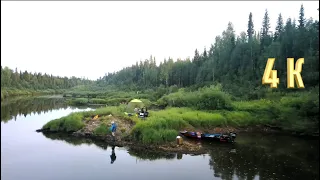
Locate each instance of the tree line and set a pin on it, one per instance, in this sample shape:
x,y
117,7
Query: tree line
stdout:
x,y
37,81
235,61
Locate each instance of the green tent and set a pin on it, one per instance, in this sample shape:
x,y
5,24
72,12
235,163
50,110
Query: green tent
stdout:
x,y
134,103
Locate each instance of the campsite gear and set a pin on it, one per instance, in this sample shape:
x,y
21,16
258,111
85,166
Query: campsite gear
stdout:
x,y
229,137
143,113
179,140
95,117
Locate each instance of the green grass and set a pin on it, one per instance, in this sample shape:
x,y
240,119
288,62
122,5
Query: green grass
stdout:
x,y
75,121
102,129
70,123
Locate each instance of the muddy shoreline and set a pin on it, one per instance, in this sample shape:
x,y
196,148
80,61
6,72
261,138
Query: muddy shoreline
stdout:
x,y
188,147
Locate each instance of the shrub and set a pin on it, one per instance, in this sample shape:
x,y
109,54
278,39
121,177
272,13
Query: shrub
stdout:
x,y
102,129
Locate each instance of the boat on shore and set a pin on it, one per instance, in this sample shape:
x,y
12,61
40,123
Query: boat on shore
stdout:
x,y
222,137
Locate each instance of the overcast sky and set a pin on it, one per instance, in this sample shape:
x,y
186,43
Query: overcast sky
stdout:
x,y
89,39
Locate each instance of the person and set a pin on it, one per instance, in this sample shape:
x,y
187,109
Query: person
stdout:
x,y
113,156
113,129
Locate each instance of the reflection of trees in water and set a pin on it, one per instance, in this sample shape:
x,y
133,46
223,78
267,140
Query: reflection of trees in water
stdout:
x,y
10,109
267,162
152,156
76,141
244,160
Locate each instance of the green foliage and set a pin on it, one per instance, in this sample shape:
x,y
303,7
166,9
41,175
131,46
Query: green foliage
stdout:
x,y
15,83
102,130
211,98
97,101
235,61
152,136
5,92
74,121
70,123
79,101
162,126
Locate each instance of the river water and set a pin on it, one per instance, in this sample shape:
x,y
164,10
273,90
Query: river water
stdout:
x,y
27,155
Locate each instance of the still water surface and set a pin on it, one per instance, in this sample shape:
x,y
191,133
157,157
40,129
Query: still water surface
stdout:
x,y
27,155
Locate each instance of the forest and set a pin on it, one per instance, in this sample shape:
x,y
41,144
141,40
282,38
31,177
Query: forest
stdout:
x,y
14,82
219,87
235,61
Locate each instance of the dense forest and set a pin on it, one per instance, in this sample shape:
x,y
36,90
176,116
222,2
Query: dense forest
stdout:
x,y
28,80
14,82
237,62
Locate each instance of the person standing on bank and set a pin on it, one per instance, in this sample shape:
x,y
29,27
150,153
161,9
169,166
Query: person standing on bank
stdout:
x,y
113,130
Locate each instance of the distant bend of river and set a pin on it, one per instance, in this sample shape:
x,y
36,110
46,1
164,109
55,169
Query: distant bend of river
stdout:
x,y
27,155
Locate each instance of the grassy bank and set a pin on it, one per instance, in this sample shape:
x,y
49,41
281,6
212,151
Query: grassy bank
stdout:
x,y
5,93
206,110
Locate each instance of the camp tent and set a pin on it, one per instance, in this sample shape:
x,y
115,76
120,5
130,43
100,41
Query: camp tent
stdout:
x,y
134,103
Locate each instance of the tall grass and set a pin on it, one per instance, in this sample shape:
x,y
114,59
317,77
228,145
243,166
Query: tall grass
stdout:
x,y
75,121
208,98
70,123
102,129
163,126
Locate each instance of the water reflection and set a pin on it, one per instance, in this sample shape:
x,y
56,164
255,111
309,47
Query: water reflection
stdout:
x,y
77,141
242,160
113,156
11,108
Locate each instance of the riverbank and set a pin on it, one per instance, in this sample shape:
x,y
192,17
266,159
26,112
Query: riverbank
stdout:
x,y
8,93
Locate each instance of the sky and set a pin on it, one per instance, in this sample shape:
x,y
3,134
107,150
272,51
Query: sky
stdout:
x,y
88,39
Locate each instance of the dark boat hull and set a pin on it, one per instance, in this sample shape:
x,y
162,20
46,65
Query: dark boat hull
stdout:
x,y
230,137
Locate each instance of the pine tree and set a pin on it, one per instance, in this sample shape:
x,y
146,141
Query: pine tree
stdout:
x,y
279,28
250,30
301,20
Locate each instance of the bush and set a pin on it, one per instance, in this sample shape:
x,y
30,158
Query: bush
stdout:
x,y
97,101
102,130
208,98
70,123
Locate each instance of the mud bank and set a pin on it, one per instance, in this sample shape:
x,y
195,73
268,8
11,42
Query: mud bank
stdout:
x,y
189,146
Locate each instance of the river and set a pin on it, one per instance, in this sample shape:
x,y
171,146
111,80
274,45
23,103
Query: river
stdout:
x,y
27,155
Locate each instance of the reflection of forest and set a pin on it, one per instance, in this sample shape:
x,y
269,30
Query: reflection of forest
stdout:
x,y
11,108
245,160
78,141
